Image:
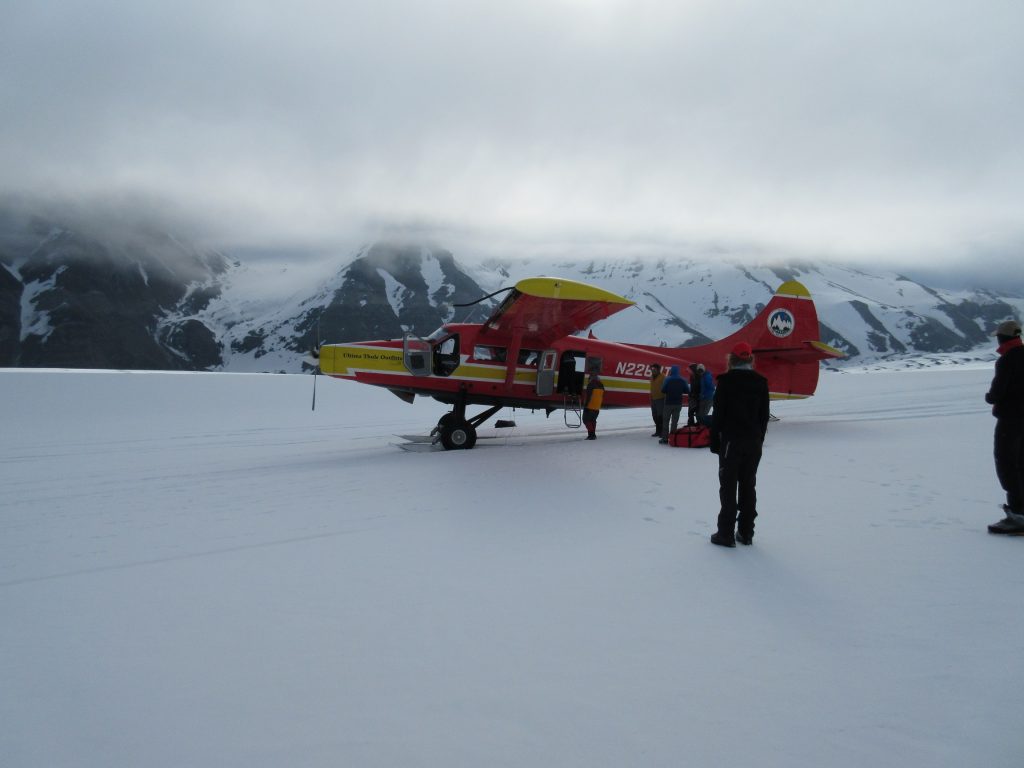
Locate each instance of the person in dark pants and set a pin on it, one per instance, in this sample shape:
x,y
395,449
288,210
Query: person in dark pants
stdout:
x,y
738,426
693,403
657,398
592,401
1006,396
675,388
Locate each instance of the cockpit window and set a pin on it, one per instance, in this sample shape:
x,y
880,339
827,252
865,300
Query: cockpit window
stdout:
x,y
446,355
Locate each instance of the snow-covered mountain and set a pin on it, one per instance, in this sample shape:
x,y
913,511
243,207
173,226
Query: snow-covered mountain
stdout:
x,y
384,291
149,300
72,299
869,316
388,289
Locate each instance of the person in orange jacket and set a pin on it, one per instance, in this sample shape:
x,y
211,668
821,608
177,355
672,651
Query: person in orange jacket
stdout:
x,y
593,397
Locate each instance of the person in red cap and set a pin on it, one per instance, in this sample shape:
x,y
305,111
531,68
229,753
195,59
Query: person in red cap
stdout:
x,y
738,426
1006,396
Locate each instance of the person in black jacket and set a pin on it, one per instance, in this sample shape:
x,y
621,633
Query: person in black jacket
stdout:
x,y
738,426
657,398
693,404
1006,396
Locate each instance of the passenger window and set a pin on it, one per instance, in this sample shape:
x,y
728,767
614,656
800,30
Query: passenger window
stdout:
x,y
487,353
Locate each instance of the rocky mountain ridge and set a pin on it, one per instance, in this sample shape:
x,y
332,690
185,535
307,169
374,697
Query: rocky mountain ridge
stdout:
x,y
70,300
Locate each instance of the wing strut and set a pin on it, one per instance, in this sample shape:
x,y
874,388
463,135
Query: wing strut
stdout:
x,y
512,357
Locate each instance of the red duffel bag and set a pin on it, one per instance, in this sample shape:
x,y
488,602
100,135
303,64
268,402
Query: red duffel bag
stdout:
x,y
697,436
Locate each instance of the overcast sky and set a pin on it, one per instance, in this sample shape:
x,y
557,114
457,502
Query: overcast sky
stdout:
x,y
866,129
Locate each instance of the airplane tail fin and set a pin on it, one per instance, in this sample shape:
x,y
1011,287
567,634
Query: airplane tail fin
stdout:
x,y
786,341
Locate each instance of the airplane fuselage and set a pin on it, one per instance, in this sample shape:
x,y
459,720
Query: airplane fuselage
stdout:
x,y
462,363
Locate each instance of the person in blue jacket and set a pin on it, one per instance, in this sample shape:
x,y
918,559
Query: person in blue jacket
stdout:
x,y
675,388
707,396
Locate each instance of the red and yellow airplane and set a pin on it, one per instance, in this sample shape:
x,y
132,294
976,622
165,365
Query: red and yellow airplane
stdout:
x,y
526,356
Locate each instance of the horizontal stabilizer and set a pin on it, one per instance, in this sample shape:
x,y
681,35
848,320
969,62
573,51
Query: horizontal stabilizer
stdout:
x,y
809,352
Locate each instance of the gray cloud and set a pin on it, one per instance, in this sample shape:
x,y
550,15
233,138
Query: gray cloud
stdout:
x,y
847,129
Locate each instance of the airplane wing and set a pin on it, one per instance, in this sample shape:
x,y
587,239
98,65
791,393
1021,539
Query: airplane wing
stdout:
x,y
542,309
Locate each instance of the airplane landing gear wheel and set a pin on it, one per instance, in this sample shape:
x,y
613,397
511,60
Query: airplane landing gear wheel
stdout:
x,y
445,421
457,434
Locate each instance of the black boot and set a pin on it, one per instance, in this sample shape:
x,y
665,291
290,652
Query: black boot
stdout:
x,y
722,540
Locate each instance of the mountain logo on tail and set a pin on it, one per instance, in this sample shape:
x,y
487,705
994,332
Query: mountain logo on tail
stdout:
x,y
781,323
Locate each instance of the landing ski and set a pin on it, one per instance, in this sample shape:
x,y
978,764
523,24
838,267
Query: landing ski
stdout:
x,y
420,438
437,439
419,447
428,443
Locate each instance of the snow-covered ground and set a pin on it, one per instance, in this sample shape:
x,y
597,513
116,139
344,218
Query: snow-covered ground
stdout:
x,y
198,570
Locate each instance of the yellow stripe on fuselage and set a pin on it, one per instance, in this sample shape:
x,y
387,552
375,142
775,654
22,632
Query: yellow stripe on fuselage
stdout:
x,y
349,360
615,384
346,359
